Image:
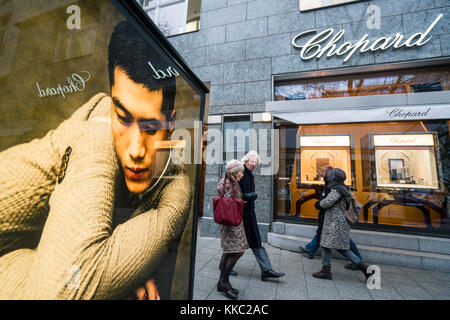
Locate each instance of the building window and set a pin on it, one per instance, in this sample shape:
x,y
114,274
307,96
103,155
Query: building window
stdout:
x,y
399,170
306,5
236,137
173,16
410,81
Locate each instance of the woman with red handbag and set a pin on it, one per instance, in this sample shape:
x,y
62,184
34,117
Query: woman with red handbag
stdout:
x,y
233,239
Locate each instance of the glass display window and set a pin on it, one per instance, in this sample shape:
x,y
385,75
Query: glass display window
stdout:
x,y
399,171
405,161
319,151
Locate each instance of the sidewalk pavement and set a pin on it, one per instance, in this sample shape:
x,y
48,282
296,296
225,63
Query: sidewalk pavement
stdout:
x,y
397,283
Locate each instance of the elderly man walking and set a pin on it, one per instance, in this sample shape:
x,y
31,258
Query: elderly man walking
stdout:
x,y
247,184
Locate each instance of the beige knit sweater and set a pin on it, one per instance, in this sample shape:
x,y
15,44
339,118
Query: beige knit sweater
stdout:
x,y
57,240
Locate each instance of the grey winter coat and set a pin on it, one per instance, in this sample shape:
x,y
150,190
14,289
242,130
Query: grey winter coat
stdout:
x,y
336,230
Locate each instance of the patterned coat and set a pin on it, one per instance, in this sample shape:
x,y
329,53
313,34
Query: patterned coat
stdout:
x,y
232,238
336,230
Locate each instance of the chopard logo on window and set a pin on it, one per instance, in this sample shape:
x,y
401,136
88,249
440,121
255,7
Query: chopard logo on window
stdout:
x,y
75,83
315,47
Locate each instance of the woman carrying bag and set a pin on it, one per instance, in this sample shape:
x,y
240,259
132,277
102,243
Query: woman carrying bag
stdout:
x,y
232,238
336,229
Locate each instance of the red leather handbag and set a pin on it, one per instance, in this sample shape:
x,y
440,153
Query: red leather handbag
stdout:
x,y
228,211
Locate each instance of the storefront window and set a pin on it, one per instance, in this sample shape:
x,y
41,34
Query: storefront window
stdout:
x,y
411,81
401,178
236,138
398,170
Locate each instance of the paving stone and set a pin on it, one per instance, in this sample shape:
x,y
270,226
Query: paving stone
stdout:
x,y
200,294
352,290
209,272
322,293
291,293
255,293
442,276
437,290
396,283
385,293
412,292
203,283
215,295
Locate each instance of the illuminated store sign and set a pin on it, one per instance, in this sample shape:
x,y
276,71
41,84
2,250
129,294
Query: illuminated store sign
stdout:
x,y
428,112
403,140
315,47
325,141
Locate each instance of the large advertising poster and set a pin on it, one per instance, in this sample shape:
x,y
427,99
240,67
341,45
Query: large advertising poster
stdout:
x,y
96,132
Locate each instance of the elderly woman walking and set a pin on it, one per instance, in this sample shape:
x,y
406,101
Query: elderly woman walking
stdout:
x,y
336,229
233,239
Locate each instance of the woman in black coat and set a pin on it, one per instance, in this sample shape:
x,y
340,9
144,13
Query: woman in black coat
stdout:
x,y
247,184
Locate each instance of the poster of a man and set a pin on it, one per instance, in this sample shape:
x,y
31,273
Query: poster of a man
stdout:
x,y
92,209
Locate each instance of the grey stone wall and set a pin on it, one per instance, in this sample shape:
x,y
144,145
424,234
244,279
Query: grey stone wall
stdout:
x,y
242,43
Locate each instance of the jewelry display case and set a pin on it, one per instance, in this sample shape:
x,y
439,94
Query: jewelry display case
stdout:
x,y
318,151
400,161
315,152
404,168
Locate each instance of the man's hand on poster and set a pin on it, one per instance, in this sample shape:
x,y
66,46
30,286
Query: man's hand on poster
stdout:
x,y
149,291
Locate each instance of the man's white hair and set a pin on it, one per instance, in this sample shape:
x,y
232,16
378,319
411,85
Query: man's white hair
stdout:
x,y
251,153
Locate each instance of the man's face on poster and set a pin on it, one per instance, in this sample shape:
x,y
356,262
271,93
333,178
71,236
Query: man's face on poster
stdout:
x,y
137,126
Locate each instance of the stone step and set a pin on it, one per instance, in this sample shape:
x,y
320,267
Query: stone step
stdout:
x,y
374,238
373,254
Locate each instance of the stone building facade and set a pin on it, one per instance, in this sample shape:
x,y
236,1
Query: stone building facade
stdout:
x,y
243,45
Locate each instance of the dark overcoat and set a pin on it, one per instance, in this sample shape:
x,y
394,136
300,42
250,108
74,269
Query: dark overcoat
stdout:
x,y
247,184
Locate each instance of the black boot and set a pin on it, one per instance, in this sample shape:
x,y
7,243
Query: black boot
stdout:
x,y
306,252
228,290
324,273
270,274
351,266
363,267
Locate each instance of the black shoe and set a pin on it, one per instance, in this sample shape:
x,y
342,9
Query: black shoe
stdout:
x,y
351,266
270,274
230,292
363,267
233,273
305,251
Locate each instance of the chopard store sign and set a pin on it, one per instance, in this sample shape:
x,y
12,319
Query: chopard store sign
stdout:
x,y
315,47
394,113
